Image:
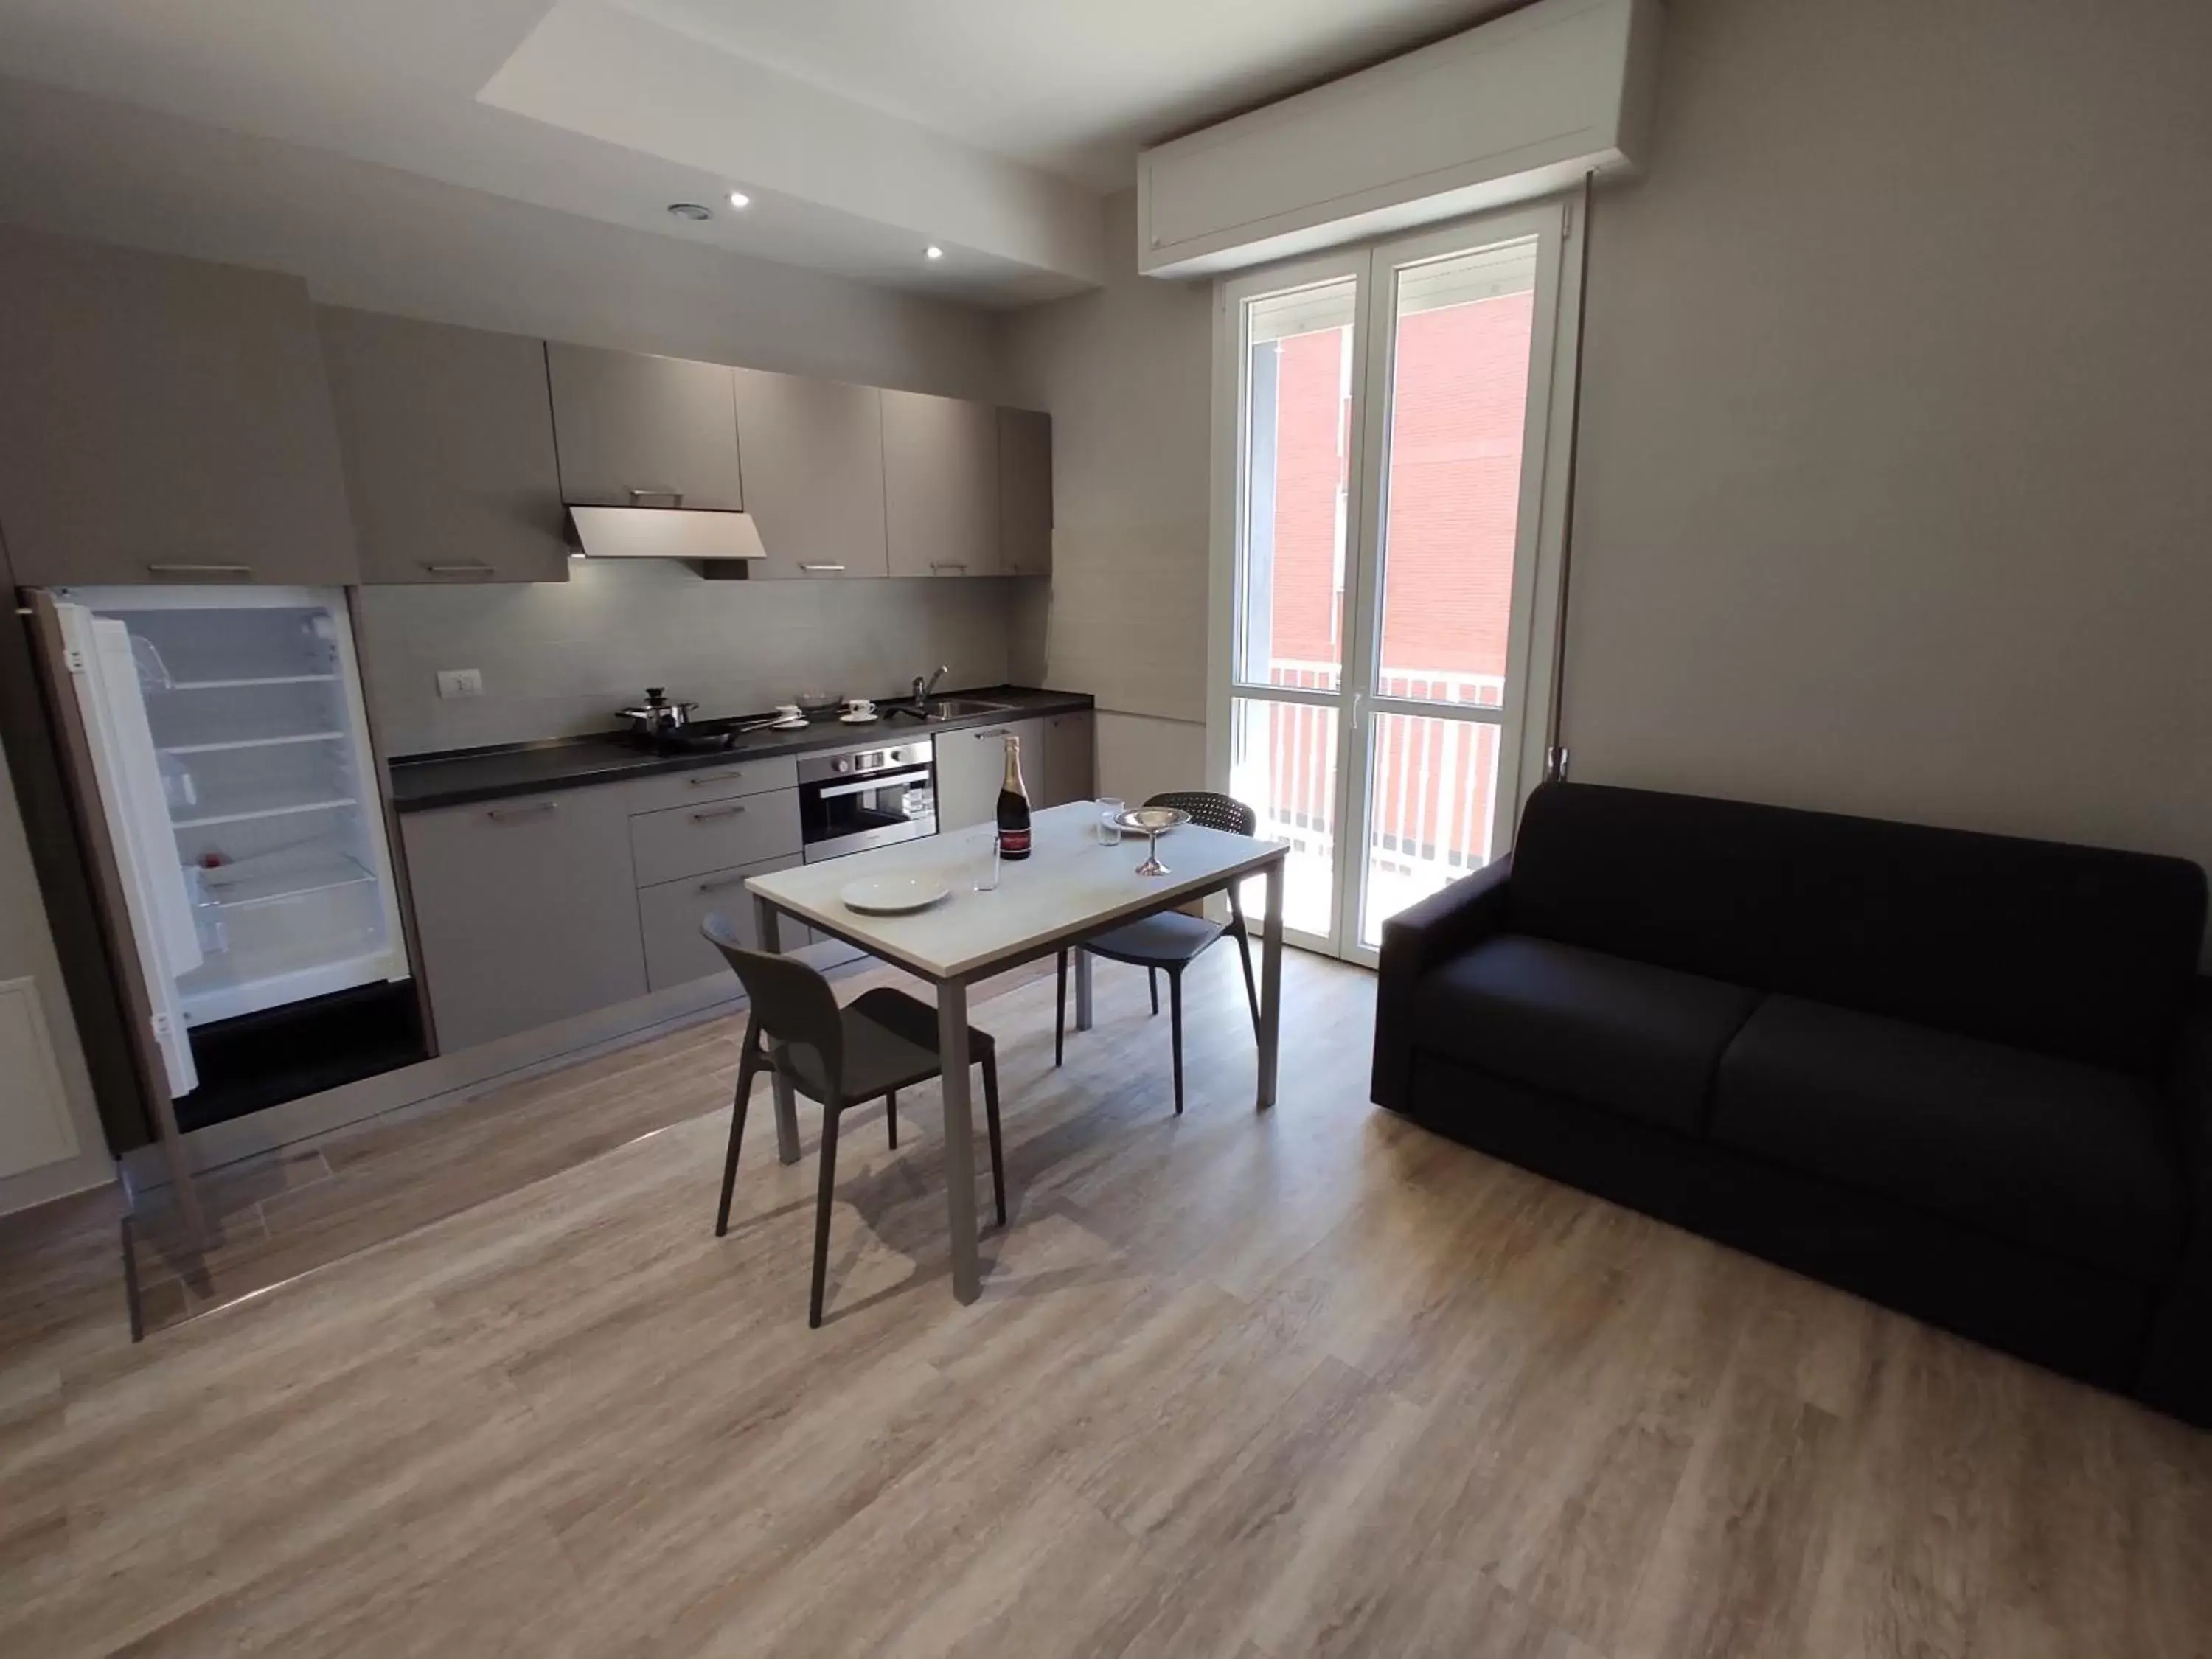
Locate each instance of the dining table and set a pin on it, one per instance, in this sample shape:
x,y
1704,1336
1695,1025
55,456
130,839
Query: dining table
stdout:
x,y
1075,884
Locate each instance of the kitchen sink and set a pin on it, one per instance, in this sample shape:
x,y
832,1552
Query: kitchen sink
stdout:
x,y
959,708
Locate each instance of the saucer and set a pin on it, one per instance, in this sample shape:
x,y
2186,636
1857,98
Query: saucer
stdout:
x,y
859,719
798,724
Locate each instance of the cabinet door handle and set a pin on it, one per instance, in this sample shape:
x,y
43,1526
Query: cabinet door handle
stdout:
x,y
822,569
720,883
675,497
716,812
706,778
459,569
161,570
503,813
948,564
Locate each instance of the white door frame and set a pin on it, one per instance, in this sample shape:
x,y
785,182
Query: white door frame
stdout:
x,y
1526,717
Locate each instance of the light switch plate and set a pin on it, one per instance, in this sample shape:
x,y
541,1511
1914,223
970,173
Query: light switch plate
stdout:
x,y
460,682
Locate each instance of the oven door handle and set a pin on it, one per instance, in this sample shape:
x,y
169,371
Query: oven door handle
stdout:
x,y
869,786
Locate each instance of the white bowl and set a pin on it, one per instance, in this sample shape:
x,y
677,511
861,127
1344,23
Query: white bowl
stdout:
x,y
895,895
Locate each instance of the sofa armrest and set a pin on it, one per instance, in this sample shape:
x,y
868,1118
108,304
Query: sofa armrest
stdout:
x,y
2178,1367
1416,939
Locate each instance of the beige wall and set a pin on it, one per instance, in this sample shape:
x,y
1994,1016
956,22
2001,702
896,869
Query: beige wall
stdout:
x,y
1896,483
1126,374
27,950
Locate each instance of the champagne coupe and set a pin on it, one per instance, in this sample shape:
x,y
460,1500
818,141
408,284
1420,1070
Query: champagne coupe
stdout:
x,y
1153,823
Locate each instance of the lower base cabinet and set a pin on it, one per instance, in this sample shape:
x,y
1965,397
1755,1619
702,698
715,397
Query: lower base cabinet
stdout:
x,y
669,914
526,911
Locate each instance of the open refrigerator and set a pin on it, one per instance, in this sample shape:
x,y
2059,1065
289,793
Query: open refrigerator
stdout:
x,y
227,742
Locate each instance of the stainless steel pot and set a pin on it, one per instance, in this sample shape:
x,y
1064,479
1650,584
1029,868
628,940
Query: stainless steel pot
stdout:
x,y
657,717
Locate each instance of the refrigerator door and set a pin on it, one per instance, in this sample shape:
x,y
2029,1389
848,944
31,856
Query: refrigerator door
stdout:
x,y
103,675
257,762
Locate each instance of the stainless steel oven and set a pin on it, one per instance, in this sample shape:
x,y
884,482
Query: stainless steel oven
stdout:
x,y
862,798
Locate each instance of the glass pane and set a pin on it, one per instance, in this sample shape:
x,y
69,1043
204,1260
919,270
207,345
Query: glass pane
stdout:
x,y
1432,810
1282,764
1290,577
1459,398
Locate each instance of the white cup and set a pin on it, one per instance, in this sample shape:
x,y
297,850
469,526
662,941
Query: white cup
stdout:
x,y
859,706
788,711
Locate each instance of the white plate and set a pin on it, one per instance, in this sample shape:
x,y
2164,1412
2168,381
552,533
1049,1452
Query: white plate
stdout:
x,y
858,719
893,896
798,725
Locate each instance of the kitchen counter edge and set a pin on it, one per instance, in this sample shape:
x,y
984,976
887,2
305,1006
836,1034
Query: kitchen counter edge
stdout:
x,y
463,777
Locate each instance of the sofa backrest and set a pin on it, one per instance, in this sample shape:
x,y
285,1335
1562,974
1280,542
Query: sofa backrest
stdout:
x,y
2078,951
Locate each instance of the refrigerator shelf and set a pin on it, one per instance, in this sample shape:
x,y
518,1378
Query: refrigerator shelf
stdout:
x,y
296,878
254,679
273,810
253,742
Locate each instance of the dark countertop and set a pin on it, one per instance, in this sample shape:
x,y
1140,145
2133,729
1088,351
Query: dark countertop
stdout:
x,y
456,777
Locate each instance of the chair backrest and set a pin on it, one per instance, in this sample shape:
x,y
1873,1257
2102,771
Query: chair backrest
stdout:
x,y
789,1001
1215,811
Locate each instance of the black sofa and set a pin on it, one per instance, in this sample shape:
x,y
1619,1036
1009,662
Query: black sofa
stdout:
x,y
1967,1076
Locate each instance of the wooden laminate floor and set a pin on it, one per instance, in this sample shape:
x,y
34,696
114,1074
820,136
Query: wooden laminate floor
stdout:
x,y
1262,1387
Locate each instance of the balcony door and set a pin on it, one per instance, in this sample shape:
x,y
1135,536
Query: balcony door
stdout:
x,y
1390,460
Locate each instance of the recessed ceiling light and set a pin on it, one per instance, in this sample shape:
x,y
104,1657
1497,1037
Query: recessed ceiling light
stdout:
x,y
738,199
933,251
688,210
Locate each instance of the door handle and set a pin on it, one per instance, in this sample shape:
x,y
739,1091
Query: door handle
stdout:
x,y
459,569
504,813
675,497
706,778
948,564
716,812
821,569
719,882
162,569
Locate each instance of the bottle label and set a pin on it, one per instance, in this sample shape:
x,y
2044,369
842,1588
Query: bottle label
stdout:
x,y
1013,843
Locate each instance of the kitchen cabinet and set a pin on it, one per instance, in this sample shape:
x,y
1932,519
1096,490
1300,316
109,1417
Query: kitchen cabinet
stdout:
x,y
633,430
526,911
163,419
940,485
670,912
447,439
812,454
1024,493
1070,759
718,835
971,764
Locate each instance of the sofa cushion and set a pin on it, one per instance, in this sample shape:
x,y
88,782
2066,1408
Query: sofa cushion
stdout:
x,y
2066,1158
2078,951
1638,1040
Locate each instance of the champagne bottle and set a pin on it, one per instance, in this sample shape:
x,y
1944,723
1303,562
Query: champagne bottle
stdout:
x,y
1014,805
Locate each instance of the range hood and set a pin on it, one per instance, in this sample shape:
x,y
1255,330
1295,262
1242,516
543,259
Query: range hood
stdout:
x,y
666,532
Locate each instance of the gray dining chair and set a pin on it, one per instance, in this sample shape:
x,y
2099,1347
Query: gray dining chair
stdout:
x,y
1170,942
882,1041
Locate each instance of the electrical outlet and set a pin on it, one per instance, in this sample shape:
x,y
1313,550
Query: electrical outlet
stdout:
x,y
460,682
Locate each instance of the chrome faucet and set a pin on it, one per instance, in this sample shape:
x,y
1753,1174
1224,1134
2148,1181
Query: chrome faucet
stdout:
x,y
922,689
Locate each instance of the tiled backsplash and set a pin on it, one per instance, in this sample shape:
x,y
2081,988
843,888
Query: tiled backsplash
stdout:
x,y
560,658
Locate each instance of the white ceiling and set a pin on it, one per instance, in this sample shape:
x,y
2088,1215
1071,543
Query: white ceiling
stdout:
x,y
862,127
1074,86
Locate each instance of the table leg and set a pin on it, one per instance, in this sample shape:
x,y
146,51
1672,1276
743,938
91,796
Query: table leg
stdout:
x,y
1271,986
1082,987
959,1139
787,1103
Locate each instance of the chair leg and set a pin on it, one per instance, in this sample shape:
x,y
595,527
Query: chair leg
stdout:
x,y
890,1115
1060,1014
822,1212
1152,978
1175,1030
748,1068
991,1125
1251,990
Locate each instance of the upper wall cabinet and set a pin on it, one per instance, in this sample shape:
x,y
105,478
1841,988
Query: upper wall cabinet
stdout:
x,y
1024,493
940,485
448,435
812,455
639,431
163,419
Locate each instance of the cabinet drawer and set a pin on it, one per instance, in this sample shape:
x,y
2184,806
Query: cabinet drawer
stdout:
x,y
670,915
726,782
692,841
